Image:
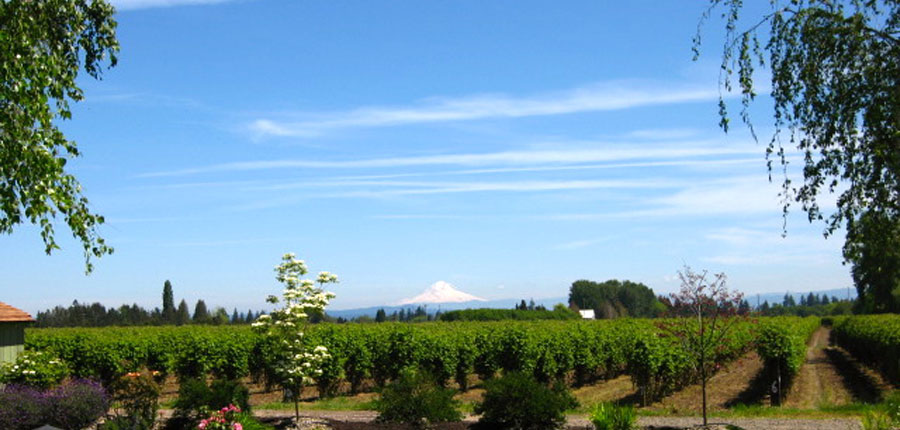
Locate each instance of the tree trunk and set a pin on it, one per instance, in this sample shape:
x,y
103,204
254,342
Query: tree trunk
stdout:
x,y
704,399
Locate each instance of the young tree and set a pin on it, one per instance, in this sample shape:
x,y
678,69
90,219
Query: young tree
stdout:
x,y
219,316
168,309
704,310
297,362
834,67
45,46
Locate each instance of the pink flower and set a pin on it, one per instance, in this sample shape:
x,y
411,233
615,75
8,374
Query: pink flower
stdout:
x,y
237,426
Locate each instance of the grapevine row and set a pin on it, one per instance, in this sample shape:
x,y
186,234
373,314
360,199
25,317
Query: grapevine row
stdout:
x,y
576,351
781,344
873,339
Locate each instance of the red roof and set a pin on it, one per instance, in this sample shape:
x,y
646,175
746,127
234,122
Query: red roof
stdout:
x,y
11,314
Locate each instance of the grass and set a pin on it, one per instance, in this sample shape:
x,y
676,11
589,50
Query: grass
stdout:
x,y
329,404
825,412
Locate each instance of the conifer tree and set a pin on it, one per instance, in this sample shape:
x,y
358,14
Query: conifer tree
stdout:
x,y
201,314
168,299
182,315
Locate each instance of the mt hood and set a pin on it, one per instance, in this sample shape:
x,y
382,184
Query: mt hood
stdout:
x,y
441,292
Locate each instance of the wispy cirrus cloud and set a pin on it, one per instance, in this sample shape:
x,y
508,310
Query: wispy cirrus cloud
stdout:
x,y
608,153
145,4
615,95
392,189
579,244
751,247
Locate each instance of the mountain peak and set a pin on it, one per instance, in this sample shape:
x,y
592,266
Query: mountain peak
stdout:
x,y
441,292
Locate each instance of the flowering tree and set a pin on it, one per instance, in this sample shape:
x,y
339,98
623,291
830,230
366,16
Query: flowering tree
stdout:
x,y
702,307
296,362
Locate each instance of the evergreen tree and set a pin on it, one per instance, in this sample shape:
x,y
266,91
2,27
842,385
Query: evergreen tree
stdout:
x,y
812,300
420,312
380,316
825,300
182,315
789,300
168,300
236,317
201,314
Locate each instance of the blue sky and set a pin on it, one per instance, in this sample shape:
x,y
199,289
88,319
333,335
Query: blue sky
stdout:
x,y
506,147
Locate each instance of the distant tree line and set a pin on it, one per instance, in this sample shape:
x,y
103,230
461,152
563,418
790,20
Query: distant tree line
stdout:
x,y
810,304
559,312
98,315
523,311
407,315
614,298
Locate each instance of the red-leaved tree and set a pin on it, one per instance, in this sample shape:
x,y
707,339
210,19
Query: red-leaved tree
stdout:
x,y
703,312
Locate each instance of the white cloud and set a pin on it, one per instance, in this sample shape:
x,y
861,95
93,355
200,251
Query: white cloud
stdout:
x,y
607,96
383,188
664,133
606,152
578,244
144,4
746,195
750,247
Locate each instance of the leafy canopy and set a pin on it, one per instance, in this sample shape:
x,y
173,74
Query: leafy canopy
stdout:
x,y
835,82
44,45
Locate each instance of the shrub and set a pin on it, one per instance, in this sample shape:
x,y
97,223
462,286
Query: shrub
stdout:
x,y
77,404
195,398
137,394
22,407
414,398
222,419
34,369
607,416
74,405
518,401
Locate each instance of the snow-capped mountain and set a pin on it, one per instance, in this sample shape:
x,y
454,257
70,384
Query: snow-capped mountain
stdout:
x,y
441,292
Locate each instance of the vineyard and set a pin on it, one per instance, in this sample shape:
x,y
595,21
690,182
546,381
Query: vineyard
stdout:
x,y
587,356
362,355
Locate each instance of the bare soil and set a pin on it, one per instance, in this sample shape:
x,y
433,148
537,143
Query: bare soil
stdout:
x,y
731,385
831,377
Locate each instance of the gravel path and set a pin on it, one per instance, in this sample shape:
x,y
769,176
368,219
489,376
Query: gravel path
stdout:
x,y
581,422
